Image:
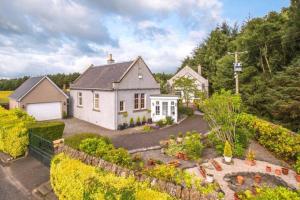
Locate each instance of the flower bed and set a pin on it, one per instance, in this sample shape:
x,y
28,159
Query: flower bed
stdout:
x,y
71,179
190,146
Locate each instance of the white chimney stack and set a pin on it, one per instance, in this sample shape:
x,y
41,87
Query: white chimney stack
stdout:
x,y
110,60
199,69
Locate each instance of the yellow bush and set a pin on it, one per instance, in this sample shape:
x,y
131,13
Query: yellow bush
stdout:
x,y
73,180
14,132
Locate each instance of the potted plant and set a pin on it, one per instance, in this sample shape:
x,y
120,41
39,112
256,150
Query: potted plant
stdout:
x,y
250,160
144,120
188,135
138,121
278,172
268,169
125,125
227,152
120,127
172,138
131,122
209,178
180,137
149,120
240,180
285,171
297,169
257,178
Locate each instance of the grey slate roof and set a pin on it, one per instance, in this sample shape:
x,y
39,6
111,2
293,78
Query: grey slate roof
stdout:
x,y
25,87
101,77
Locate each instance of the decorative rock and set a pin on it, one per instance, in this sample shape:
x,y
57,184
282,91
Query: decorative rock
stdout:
x,y
162,185
171,189
185,194
194,194
178,191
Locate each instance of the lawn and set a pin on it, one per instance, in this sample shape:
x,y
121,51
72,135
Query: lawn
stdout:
x,y
4,96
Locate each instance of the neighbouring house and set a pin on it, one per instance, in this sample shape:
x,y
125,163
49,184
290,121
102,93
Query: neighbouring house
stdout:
x,y
41,98
201,82
164,105
111,94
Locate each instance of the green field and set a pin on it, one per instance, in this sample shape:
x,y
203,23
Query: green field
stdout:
x,y
4,96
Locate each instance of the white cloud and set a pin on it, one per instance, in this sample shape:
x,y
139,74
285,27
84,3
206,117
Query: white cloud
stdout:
x,y
69,35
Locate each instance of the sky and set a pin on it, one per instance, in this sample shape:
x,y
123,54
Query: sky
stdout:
x,y
40,37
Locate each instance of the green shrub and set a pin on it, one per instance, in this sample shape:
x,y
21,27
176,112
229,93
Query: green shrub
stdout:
x,y
297,165
138,121
100,148
75,140
227,149
267,193
182,110
144,120
147,128
169,120
48,130
14,131
281,141
131,122
161,123
71,179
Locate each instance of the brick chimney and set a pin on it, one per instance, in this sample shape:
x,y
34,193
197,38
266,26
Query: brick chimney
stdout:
x,y
199,70
110,60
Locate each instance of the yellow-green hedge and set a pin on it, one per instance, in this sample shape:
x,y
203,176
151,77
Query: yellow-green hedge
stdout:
x,y
281,141
73,180
13,131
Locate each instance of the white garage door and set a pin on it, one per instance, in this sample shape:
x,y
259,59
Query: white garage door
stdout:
x,y
45,111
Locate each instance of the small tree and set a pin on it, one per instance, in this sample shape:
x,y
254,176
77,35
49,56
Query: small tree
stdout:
x,y
222,111
227,149
188,86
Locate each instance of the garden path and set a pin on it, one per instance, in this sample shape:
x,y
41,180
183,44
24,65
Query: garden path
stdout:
x,y
240,166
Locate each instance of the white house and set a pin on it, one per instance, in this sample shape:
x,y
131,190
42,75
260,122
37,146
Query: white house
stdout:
x,y
163,106
111,94
201,82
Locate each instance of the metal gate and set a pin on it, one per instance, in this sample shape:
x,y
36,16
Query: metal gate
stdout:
x,y
40,148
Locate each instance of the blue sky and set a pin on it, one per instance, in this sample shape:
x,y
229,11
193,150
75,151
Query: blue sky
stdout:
x,y
68,35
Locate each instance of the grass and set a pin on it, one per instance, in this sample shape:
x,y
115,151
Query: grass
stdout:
x,y
4,96
75,140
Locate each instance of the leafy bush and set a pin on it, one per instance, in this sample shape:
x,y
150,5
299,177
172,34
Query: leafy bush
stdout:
x,y
100,148
48,130
14,131
75,140
161,123
297,165
71,179
144,120
147,128
131,122
283,142
169,120
138,121
183,110
227,149
267,193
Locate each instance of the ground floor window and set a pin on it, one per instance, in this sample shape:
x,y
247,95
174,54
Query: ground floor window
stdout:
x,y
122,106
157,108
172,107
165,108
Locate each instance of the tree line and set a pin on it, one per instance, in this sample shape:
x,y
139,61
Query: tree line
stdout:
x,y
270,80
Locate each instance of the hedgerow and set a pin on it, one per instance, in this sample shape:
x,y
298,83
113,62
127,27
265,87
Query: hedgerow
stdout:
x,y
279,140
14,131
48,130
73,180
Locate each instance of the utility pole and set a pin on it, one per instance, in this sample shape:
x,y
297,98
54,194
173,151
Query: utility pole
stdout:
x,y
237,67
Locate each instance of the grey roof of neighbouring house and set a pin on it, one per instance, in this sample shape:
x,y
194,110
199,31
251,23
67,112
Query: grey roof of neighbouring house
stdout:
x,y
25,87
101,77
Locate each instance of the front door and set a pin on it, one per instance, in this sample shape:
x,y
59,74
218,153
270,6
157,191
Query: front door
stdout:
x,y
165,109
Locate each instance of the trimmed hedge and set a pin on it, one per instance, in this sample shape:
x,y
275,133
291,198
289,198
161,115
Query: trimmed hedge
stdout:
x,y
279,140
71,179
14,131
48,130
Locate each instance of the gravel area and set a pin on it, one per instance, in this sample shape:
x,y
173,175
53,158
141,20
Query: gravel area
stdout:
x,y
240,166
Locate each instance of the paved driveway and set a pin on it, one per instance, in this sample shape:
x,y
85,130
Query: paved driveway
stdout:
x,y
142,140
21,177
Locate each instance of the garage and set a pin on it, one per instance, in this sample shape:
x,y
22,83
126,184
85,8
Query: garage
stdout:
x,y
45,111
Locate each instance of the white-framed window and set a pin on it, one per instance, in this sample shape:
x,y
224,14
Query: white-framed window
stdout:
x,y
143,101
136,101
157,108
122,106
96,101
165,108
79,99
172,108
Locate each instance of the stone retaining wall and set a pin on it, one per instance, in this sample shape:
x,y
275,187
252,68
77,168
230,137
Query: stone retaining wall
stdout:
x,y
177,191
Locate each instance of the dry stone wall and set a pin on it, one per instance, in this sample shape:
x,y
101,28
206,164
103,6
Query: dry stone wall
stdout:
x,y
177,191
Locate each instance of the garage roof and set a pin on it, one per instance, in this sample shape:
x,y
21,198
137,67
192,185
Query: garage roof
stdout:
x,y
28,85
